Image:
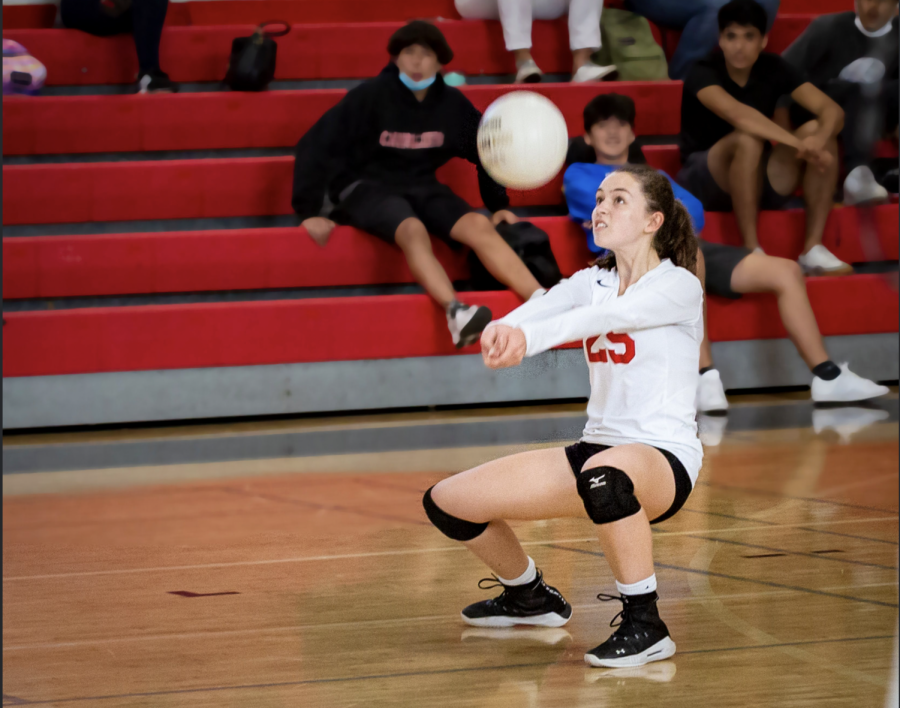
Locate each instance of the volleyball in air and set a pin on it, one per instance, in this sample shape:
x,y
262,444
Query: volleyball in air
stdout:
x,y
522,140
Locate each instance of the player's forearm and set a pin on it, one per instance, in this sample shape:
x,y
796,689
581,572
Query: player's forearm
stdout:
x,y
831,121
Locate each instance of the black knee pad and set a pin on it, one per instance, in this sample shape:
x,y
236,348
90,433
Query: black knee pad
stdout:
x,y
450,526
608,494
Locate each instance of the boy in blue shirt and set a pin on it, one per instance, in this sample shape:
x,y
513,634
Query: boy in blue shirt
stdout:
x,y
727,271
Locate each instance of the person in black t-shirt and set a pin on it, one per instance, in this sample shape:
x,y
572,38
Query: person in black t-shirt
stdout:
x,y
375,154
853,57
727,108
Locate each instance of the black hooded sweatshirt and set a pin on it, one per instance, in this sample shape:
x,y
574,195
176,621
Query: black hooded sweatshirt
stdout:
x,y
380,132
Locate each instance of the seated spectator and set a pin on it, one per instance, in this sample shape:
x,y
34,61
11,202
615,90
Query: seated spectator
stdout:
x,y
697,20
376,152
144,19
852,57
516,16
727,107
726,271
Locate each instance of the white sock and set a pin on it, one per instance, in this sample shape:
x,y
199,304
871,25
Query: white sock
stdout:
x,y
641,587
525,578
536,293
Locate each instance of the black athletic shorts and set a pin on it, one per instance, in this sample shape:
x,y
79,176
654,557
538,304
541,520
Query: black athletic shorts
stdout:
x,y
380,209
721,260
579,453
696,178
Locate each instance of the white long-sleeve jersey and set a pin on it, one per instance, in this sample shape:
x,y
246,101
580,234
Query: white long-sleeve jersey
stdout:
x,y
642,348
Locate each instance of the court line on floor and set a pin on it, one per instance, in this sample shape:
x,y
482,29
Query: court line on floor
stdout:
x,y
786,551
400,552
805,527
432,672
739,578
358,624
769,493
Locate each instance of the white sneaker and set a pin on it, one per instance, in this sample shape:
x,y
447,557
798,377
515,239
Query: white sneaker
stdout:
x,y
466,323
529,73
821,261
860,187
847,420
591,72
711,429
846,388
711,393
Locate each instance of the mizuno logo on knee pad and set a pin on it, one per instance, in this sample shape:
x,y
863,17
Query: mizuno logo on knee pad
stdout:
x,y
608,494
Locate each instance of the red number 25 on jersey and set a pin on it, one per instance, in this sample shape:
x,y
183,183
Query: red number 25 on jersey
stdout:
x,y
597,353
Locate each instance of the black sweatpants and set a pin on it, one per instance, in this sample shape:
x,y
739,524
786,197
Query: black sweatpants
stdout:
x,y
866,119
144,19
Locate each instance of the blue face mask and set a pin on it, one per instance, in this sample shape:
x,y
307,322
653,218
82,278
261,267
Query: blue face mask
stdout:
x,y
416,85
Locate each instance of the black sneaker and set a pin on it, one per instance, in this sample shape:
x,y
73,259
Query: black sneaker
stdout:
x,y
157,82
641,636
466,323
535,604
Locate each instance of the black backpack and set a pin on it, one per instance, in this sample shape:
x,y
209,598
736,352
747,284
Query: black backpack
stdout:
x,y
252,63
532,245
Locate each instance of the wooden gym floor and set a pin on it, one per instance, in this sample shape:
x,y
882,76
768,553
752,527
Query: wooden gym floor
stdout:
x,y
291,564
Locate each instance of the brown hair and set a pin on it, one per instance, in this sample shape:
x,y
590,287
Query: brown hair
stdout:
x,y
675,239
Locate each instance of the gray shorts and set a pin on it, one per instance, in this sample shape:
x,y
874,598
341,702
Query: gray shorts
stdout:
x,y
721,260
696,178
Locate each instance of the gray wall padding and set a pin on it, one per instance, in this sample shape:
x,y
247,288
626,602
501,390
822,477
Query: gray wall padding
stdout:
x,y
186,394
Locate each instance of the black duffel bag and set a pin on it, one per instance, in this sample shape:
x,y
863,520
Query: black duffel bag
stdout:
x,y
252,63
532,245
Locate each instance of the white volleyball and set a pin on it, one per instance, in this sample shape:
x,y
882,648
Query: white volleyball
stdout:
x,y
522,140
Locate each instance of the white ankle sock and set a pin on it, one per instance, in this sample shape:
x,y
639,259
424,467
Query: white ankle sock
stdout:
x,y
639,588
537,293
525,578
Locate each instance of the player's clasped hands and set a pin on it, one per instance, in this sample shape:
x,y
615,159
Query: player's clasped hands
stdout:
x,y
503,346
812,149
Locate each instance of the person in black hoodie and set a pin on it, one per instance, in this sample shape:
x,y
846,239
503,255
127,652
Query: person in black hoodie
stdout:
x,y
376,153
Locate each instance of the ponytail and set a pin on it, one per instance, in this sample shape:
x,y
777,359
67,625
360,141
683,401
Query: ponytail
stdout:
x,y
675,239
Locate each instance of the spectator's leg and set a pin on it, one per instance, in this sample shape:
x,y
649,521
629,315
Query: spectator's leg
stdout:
x,y
734,163
413,239
706,359
584,30
88,16
785,170
515,16
759,273
477,9
475,231
149,17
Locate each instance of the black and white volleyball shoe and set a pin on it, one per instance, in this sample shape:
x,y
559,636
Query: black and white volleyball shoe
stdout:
x,y
466,323
534,603
640,636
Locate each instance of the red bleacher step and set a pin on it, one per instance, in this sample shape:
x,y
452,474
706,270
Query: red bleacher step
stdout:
x,y
183,189
157,337
309,51
218,120
254,259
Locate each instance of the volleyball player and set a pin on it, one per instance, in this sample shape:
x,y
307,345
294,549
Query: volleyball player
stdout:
x,y
639,312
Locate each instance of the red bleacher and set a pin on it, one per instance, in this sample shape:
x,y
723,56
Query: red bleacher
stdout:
x,y
250,259
184,336
182,189
309,51
345,329
229,12
85,124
